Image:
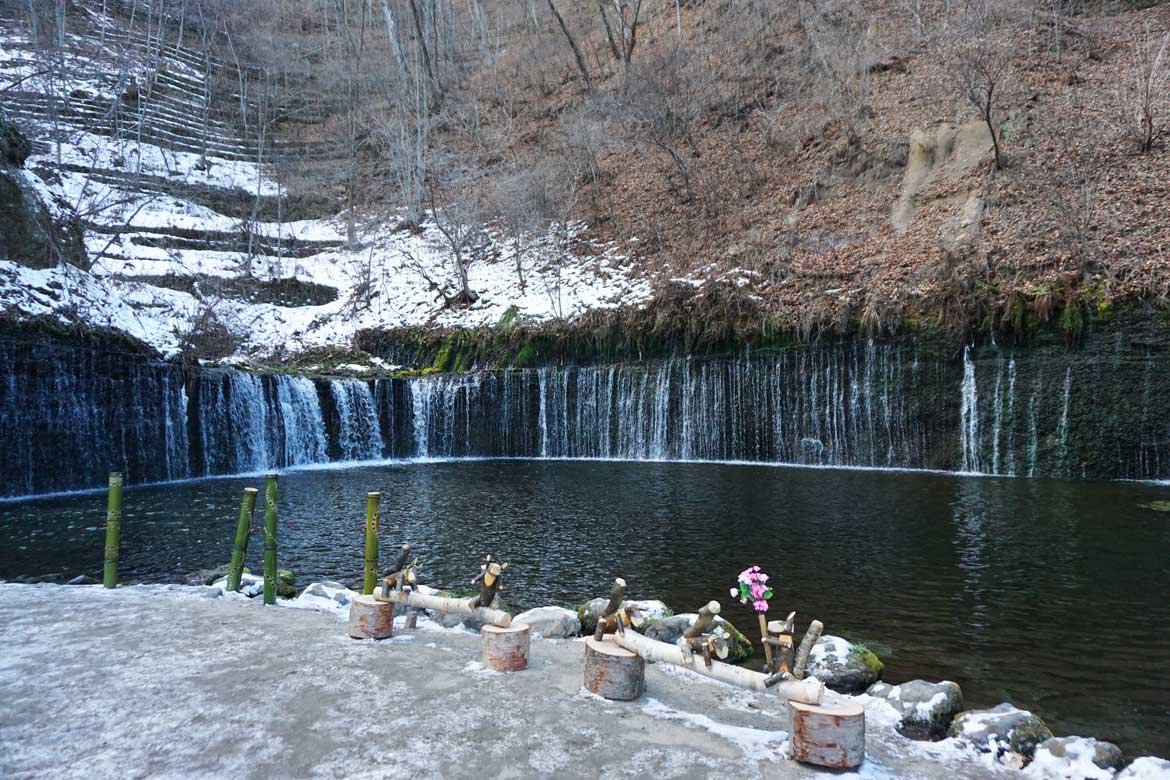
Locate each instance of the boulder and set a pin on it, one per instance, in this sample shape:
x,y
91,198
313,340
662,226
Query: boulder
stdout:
x,y
1075,758
83,579
589,612
927,708
15,147
843,666
551,621
1000,730
327,594
208,576
286,584
1146,768
670,630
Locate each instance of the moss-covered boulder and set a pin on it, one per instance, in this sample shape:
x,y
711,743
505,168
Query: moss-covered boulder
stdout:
x,y
588,612
843,666
927,708
670,629
286,584
1000,730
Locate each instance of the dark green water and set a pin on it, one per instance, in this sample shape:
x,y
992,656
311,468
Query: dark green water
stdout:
x,y
1053,595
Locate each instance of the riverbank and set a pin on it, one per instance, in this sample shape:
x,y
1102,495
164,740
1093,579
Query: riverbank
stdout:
x,y
159,681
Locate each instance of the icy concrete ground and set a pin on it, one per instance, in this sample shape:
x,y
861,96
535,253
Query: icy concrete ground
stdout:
x,y
160,682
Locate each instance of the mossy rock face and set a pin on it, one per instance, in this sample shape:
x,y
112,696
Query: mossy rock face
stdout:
x,y
28,233
1000,729
843,666
1157,506
15,147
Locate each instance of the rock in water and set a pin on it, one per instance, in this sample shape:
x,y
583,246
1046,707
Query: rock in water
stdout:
x,y
843,666
550,621
670,630
927,708
286,584
1000,730
1146,768
590,611
1075,758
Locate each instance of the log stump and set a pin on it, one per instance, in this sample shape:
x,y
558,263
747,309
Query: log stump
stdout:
x,y
370,618
828,736
613,672
505,649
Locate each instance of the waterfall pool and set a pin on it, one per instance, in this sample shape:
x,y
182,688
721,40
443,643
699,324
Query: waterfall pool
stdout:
x,y
1050,594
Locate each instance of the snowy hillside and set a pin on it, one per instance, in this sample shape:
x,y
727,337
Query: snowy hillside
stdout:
x,y
166,193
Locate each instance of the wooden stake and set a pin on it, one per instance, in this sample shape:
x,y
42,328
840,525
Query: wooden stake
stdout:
x,y
806,647
243,533
763,637
270,538
113,530
704,622
372,521
505,649
616,596
370,618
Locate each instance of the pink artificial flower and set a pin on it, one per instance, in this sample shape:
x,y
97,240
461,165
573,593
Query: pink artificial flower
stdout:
x,y
746,575
761,606
757,591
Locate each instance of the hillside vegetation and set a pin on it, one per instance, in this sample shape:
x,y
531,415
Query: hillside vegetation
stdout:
x,y
722,168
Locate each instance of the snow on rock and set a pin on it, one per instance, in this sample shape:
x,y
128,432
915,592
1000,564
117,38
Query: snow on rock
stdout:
x,y
1146,768
1075,758
1002,730
649,609
327,595
926,708
843,666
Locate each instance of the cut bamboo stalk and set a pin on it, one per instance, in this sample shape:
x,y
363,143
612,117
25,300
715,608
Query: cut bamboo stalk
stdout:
x,y
270,539
372,521
113,531
495,617
243,533
809,691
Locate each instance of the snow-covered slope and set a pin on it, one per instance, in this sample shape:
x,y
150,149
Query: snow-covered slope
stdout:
x,y
167,193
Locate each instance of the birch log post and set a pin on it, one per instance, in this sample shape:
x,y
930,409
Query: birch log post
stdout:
x,y
806,647
704,622
243,533
654,651
613,672
828,736
113,531
370,618
505,649
370,573
495,617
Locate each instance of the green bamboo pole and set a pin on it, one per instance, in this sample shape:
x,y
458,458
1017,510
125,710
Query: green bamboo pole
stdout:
x,y
270,539
113,530
243,533
371,578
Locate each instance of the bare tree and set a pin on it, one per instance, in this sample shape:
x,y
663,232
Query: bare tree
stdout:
x,y
980,69
1144,91
572,45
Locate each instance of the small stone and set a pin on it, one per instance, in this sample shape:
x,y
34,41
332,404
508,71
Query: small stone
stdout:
x,y
1075,758
550,622
1000,730
927,708
212,593
82,579
843,666
1146,768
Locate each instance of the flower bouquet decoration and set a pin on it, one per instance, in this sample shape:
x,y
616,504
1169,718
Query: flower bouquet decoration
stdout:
x,y
752,588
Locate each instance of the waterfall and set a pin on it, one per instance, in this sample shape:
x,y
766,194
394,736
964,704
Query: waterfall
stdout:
x,y
969,415
359,430
68,415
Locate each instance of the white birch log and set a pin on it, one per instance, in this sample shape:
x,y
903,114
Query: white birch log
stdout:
x,y
828,736
807,691
495,617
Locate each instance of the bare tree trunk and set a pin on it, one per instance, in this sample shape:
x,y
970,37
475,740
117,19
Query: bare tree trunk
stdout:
x,y
572,45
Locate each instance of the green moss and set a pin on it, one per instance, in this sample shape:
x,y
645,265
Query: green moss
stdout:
x,y
510,317
1072,319
866,656
527,357
1157,506
445,358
